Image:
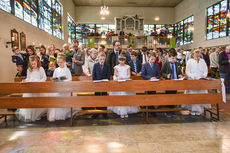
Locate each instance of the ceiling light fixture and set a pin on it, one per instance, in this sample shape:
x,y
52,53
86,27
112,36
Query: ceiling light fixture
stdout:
x,y
157,18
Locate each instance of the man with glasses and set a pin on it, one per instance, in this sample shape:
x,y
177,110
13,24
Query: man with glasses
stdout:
x,y
112,57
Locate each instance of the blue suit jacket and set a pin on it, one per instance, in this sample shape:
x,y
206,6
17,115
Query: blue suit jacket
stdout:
x,y
98,74
147,72
138,64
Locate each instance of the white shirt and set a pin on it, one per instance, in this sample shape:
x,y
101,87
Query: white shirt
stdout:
x,y
196,69
38,75
62,72
143,58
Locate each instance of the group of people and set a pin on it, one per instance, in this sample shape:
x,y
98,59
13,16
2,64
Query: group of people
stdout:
x,y
101,64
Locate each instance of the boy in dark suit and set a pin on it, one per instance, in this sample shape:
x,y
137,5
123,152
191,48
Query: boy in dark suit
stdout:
x,y
150,70
135,64
170,71
101,71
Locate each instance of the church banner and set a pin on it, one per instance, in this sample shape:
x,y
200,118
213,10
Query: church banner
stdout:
x,y
91,42
173,43
133,41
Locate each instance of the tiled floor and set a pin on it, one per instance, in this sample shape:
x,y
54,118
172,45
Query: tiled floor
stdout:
x,y
183,134
173,136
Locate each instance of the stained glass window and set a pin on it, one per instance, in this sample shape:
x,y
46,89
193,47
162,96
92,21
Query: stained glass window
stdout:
x,y
112,28
5,5
151,28
169,27
160,27
210,23
98,28
216,25
179,32
71,29
18,8
78,32
57,19
217,20
229,20
188,30
34,11
223,18
45,22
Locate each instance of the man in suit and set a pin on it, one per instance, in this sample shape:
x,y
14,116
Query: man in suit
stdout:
x,y
128,53
112,57
170,71
143,56
78,59
135,64
224,62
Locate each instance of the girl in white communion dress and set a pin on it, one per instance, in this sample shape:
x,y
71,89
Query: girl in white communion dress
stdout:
x,y
35,73
122,72
61,72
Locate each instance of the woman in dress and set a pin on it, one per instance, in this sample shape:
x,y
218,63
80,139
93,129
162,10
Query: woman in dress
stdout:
x,y
195,70
122,72
35,73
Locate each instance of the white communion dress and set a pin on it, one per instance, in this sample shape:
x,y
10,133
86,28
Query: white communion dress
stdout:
x,y
196,70
31,115
122,71
60,113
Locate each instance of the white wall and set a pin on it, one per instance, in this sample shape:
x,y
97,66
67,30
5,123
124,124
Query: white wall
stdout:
x,y
90,14
198,8
33,34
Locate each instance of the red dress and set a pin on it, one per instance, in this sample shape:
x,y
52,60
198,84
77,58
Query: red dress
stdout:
x,y
159,63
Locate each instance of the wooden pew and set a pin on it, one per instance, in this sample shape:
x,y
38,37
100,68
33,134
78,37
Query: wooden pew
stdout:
x,y
104,101
78,78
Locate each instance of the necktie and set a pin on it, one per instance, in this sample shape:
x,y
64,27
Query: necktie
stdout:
x,y
135,67
172,75
151,66
101,66
117,54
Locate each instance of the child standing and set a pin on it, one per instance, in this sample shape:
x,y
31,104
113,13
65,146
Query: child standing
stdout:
x,y
122,72
100,69
35,73
52,67
61,72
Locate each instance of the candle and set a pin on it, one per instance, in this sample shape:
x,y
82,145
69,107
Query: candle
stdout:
x,y
12,38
